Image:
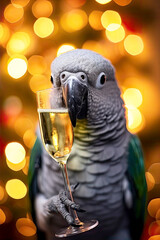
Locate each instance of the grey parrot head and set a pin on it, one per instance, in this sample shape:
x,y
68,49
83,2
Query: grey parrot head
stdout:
x,y
90,89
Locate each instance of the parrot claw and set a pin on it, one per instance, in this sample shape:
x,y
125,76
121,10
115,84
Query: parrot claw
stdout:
x,y
60,204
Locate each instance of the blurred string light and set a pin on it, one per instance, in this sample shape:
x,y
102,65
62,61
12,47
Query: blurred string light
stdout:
x,y
103,1
76,4
18,43
154,229
116,35
12,106
150,181
153,207
2,217
26,167
111,20
133,44
3,194
22,3
16,189
37,65
95,46
13,13
122,2
133,99
42,8
26,227
156,237
95,20
43,27
74,20
17,66
15,156
158,214
4,33
39,82
65,48
154,169
29,138
22,124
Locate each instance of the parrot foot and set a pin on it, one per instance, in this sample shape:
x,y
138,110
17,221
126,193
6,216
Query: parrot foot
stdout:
x,y
61,204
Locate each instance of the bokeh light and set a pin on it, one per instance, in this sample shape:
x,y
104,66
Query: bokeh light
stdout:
x,y
76,4
95,20
103,1
116,35
42,8
22,124
22,3
135,120
153,207
156,237
111,20
154,228
37,65
74,20
17,66
4,33
26,227
65,48
3,194
16,189
12,106
39,82
154,169
13,13
43,27
122,2
150,181
94,46
29,138
15,154
132,97
133,44
2,216
18,43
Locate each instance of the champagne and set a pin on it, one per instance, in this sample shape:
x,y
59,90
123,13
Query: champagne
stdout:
x,y
57,133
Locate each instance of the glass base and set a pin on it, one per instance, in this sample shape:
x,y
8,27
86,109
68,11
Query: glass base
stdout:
x,y
69,231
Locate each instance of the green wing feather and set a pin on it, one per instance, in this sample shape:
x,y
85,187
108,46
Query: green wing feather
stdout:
x,y
136,174
34,165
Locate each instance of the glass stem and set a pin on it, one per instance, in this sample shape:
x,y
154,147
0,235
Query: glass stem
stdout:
x,y
68,190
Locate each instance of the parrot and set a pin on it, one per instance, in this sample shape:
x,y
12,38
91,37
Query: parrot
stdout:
x,y
106,165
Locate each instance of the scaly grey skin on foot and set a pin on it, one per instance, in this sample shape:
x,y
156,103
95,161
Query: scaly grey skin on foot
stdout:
x,y
106,160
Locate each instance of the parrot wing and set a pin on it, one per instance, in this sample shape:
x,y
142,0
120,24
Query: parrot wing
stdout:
x,y
136,175
34,166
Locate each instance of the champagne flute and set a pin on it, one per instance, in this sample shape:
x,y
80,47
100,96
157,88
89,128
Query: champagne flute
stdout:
x,y
57,137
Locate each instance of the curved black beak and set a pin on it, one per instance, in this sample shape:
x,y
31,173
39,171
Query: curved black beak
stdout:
x,y
75,96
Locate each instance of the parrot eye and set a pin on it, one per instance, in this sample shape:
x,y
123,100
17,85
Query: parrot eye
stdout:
x,y
51,79
101,80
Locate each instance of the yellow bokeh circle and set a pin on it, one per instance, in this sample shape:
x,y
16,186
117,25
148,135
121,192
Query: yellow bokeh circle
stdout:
x,y
16,189
111,20
42,8
15,152
17,66
26,227
133,44
65,48
13,13
116,35
43,27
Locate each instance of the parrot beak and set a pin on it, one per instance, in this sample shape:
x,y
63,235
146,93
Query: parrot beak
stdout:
x,y
75,96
